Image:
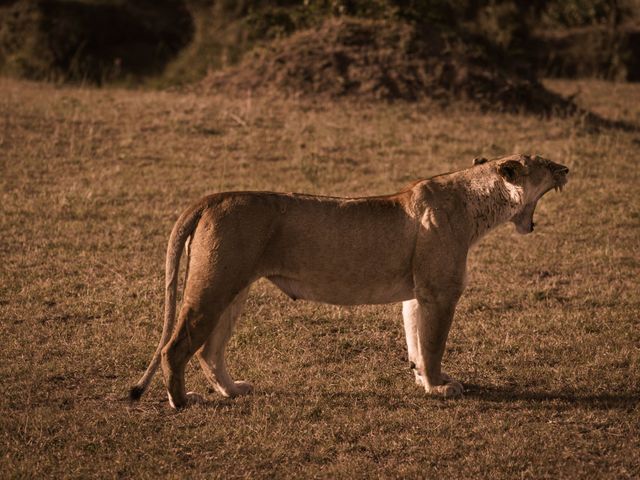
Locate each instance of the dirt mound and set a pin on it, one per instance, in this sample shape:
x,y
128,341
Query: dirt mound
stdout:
x,y
384,60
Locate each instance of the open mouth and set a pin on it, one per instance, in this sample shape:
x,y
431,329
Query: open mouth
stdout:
x,y
560,176
524,220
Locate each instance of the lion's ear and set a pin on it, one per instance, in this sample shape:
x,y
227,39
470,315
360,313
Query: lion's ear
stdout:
x,y
511,170
479,161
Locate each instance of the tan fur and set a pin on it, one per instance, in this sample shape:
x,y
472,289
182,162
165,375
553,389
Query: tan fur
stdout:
x,y
408,247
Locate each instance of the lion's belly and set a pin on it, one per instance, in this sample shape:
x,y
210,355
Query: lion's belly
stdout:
x,y
345,292
344,252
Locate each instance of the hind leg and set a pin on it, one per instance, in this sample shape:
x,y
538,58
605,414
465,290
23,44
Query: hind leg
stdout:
x,y
211,355
195,323
225,255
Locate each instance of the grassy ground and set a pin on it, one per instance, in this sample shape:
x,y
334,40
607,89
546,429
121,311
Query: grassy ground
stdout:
x,y
546,339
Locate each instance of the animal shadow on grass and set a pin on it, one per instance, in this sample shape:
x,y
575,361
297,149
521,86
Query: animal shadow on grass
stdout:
x,y
598,401
334,399
505,394
374,399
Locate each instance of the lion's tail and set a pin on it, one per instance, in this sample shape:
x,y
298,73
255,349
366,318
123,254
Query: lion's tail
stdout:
x,y
182,230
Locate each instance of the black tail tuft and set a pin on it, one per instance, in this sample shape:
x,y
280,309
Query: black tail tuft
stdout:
x,y
136,392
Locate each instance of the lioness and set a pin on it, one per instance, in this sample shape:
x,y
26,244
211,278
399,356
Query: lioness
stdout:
x,y
408,247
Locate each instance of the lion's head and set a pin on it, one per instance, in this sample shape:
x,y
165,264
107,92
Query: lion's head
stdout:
x,y
535,176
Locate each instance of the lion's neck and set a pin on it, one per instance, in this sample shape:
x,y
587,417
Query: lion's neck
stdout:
x,y
490,203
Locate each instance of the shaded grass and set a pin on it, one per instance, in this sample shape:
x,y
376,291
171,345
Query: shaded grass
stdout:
x,y
545,339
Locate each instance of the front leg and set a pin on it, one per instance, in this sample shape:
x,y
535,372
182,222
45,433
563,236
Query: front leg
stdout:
x,y
410,316
427,321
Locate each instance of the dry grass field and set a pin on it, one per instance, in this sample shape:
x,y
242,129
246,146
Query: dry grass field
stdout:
x,y
546,339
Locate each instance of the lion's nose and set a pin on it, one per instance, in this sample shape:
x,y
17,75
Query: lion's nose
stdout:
x,y
564,170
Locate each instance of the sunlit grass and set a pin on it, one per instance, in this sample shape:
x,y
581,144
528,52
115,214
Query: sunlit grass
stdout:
x,y
545,339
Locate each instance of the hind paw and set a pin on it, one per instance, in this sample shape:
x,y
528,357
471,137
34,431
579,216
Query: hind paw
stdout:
x,y
241,388
194,398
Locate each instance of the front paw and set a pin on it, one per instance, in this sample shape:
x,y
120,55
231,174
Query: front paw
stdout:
x,y
449,389
422,381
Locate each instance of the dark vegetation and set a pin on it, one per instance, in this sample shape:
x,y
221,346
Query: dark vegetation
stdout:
x,y
179,41
91,41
